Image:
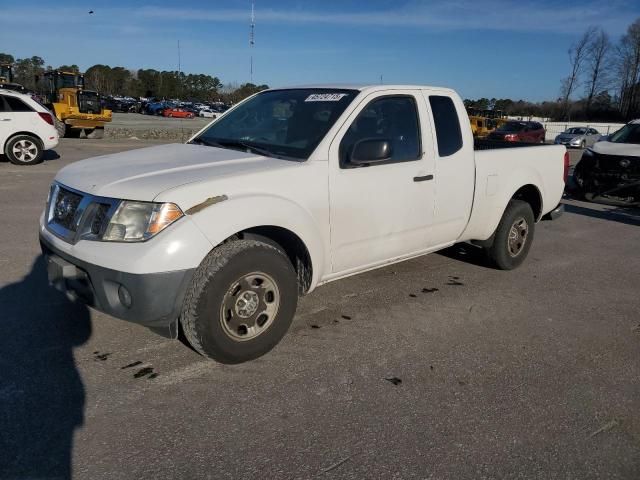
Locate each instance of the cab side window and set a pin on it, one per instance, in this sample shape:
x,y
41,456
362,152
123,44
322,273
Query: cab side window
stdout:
x,y
447,125
393,119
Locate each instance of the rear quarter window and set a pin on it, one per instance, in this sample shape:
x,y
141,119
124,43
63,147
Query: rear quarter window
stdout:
x,y
16,105
447,125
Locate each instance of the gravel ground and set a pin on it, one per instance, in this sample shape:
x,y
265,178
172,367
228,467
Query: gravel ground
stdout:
x,y
152,127
439,367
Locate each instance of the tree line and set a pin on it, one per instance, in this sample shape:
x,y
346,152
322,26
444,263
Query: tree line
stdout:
x,y
599,66
603,83
120,81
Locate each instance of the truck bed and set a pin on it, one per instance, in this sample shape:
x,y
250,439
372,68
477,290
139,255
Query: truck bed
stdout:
x,y
484,144
501,170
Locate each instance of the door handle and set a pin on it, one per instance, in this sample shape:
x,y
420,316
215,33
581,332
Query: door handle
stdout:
x,y
5,119
423,178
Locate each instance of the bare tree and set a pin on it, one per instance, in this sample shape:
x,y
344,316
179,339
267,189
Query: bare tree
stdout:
x,y
628,66
597,66
577,55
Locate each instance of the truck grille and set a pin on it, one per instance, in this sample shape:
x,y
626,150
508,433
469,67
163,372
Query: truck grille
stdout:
x,y
74,215
65,208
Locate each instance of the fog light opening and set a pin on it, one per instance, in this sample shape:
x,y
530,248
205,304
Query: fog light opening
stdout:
x,y
124,296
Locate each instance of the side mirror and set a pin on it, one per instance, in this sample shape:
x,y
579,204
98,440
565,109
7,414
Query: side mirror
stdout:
x,y
371,150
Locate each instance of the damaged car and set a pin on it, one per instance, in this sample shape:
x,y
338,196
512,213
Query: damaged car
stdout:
x,y
609,171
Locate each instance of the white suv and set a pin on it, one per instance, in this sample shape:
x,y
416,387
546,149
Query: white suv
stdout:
x,y
27,128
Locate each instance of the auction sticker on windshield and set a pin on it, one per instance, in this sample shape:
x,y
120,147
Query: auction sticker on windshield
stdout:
x,y
325,97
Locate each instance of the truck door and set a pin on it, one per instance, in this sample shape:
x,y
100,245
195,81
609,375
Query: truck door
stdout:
x,y
454,169
381,210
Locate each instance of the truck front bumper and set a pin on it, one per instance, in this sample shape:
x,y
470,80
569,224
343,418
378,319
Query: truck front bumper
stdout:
x,y
150,299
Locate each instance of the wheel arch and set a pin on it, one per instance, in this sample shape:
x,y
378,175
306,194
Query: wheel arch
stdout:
x,y
16,134
287,241
531,194
278,220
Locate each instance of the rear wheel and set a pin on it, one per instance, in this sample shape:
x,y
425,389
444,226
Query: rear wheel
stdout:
x,y
513,237
60,127
72,132
241,301
24,150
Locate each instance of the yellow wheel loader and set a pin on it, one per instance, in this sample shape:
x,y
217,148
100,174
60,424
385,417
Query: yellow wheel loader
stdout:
x,y
6,78
75,108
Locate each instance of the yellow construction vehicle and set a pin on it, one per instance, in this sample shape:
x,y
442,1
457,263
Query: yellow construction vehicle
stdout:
x,y
6,78
483,122
6,73
75,108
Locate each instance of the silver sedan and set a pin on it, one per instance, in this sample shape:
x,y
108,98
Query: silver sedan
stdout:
x,y
580,137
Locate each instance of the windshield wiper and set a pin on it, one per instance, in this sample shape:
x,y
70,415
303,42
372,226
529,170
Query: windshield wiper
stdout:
x,y
245,146
202,141
237,145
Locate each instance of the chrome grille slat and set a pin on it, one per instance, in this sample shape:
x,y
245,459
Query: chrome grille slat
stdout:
x,y
87,218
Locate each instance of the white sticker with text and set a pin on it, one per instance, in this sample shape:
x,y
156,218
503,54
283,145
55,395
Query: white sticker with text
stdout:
x,y
325,97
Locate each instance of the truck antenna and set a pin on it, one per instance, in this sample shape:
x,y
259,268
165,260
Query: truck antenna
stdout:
x,y
252,41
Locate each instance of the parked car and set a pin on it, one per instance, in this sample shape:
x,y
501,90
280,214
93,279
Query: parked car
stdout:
x,y
580,137
177,112
27,128
289,190
609,171
519,131
156,108
206,113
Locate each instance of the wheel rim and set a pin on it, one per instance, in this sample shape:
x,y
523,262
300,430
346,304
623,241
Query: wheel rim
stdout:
x,y
25,150
517,236
249,306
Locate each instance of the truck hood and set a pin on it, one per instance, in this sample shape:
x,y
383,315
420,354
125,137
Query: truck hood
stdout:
x,y
144,173
610,148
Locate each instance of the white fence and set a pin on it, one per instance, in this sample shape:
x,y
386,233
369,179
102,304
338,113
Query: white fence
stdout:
x,y
556,128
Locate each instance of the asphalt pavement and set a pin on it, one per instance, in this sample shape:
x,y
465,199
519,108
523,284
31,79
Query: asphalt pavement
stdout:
x,y
439,367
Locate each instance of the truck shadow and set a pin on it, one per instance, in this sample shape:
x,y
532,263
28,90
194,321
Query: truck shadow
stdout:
x,y
467,253
41,392
628,216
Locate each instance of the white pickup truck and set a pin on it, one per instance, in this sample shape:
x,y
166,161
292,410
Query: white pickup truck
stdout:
x,y
290,189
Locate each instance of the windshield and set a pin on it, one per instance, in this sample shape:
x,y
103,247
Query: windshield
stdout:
x,y
288,123
576,131
511,127
630,133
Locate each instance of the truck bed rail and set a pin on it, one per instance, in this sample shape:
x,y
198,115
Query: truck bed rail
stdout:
x,y
483,144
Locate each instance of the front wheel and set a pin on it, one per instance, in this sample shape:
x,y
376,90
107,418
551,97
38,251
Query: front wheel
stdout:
x,y
241,301
513,237
24,150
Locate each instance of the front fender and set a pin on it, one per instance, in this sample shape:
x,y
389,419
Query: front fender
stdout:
x,y
221,220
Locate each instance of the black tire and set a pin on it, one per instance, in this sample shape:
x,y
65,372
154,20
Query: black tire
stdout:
x,y
506,252
579,181
72,132
61,128
24,150
208,321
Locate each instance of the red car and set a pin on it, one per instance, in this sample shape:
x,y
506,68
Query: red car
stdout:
x,y
178,113
517,131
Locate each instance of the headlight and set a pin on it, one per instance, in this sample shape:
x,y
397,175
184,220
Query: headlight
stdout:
x,y
138,221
